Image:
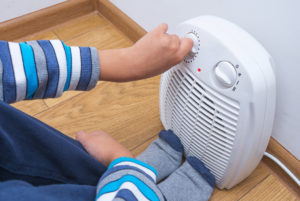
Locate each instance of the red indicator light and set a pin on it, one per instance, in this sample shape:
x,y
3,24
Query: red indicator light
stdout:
x,y
199,70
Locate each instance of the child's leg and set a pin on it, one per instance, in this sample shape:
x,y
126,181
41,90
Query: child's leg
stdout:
x,y
164,154
34,152
192,181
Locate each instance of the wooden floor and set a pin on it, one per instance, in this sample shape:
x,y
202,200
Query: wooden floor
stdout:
x,y
128,111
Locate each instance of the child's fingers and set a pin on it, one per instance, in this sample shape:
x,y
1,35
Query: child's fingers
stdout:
x,y
175,41
162,28
186,45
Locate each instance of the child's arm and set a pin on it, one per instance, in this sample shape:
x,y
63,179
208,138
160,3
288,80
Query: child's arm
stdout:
x,y
153,54
126,177
45,69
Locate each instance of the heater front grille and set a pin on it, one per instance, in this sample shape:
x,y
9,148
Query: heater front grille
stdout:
x,y
204,120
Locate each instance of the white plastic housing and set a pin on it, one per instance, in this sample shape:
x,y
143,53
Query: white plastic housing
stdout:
x,y
220,100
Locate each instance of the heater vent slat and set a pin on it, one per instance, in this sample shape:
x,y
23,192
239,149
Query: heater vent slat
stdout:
x,y
205,120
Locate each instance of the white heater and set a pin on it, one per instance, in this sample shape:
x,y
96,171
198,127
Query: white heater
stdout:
x,y
220,100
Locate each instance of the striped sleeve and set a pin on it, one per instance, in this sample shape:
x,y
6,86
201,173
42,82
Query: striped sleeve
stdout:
x,y
130,180
45,69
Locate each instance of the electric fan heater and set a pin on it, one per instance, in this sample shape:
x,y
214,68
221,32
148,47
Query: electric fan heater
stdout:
x,y
220,100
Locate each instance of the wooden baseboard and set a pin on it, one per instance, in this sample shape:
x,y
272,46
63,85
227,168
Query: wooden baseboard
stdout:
x,y
124,23
45,18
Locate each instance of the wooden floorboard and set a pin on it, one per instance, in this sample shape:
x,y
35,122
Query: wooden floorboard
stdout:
x,y
128,111
48,35
79,27
259,174
270,190
31,107
117,108
104,37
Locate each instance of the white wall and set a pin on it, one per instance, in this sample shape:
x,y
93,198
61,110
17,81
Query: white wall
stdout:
x,y
15,8
275,23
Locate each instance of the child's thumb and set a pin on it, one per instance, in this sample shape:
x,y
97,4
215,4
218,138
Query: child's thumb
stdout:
x,y
186,45
80,135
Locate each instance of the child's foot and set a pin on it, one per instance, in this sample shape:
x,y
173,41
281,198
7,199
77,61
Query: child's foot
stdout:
x,y
192,181
164,154
102,146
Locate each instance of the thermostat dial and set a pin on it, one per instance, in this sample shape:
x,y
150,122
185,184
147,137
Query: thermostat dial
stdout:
x,y
194,49
225,73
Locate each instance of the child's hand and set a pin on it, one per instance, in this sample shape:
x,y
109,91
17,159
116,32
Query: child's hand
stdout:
x,y
158,51
102,146
153,54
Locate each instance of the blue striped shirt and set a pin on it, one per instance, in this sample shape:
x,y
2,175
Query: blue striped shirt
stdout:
x,y
45,69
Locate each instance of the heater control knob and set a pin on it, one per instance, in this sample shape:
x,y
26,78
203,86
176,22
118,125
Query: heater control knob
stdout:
x,y
194,49
225,73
